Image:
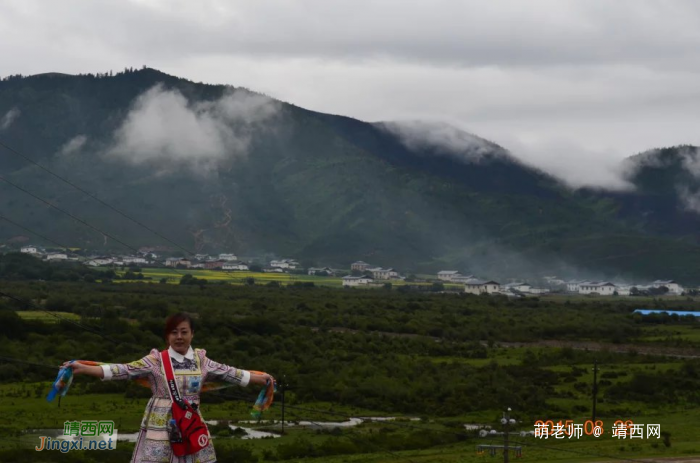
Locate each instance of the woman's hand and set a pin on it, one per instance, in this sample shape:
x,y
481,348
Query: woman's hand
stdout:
x,y
261,379
82,369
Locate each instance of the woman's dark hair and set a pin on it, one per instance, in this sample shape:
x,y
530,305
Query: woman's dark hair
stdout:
x,y
174,320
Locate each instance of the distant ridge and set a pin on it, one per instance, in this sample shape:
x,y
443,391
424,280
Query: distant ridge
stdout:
x,y
327,190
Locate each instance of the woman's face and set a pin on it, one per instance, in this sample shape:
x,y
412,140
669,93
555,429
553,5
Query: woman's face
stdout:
x,y
181,337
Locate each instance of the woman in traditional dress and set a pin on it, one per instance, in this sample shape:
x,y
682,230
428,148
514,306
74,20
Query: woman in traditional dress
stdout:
x,y
191,368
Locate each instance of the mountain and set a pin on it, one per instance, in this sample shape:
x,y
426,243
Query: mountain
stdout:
x,y
218,168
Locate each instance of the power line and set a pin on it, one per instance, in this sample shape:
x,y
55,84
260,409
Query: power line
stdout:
x,y
32,232
77,219
15,360
240,330
91,195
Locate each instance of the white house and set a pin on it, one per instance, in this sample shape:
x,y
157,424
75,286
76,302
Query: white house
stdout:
x,y
201,257
602,288
317,271
673,287
134,260
357,281
573,286
482,287
172,261
518,286
273,270
462,278
359,265
227,257
379,273
624,290
235,265
285,264
56,256
100,261
30,249
447,275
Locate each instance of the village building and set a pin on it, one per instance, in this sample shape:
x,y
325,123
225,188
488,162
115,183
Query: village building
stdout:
x,y
359,266
447,275
482,287
289,264
172,261
673,287
602,288
227,257
462,278
57,256
134,260
573,286
379,273
235,265
273,270
31,249
214,264
100,261
518,286
321,271
357,281
625,290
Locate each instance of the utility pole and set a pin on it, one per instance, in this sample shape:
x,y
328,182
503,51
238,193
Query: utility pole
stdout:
x,y
506,421
595,386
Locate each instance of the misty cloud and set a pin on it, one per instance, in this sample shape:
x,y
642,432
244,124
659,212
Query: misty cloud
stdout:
x,y
690,199
165,130
419,135
595,73
691,160
9,118
576,166
74,145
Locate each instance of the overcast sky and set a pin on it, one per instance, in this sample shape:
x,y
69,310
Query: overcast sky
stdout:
x,y
570,86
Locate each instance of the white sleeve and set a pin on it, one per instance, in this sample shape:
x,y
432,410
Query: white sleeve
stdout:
x,y
246,378
107,372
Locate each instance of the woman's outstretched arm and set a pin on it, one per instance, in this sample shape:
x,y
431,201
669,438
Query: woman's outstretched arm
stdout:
x,y
116,371
82,369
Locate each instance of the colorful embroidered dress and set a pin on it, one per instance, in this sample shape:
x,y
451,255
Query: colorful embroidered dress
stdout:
x,y
191,371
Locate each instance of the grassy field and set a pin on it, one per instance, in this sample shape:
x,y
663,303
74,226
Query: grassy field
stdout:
x,y
173,276
45,317
24,407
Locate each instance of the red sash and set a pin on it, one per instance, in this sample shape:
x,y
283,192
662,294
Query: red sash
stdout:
x,y
188,433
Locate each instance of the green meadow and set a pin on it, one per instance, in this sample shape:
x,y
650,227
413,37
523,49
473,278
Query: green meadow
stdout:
x,y
436,361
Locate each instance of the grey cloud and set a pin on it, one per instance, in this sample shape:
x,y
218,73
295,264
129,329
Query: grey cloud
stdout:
x,y
442,32
575,165
690,200
421,134
73,145
691,160
590,74
166,131
9,118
